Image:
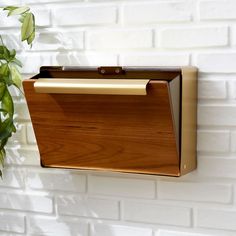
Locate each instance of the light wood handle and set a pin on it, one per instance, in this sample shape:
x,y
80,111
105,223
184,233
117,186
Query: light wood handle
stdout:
x,y
92,86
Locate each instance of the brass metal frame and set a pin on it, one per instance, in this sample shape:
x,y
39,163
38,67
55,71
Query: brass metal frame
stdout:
x,y
91,86
188,120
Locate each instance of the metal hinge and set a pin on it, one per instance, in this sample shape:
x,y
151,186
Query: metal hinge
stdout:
x,y
111,70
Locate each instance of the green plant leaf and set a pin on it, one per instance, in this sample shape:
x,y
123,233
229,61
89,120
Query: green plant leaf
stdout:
x,y
12,54
27,27
16,76
7,103
6,129
2,89
31,38
5,74
4,70
10,75
3,142
17,10
22,17
17,62
2,110
10,8
2,156
4,53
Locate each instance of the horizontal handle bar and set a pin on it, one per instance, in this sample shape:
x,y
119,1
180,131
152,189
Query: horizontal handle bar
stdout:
x,y
91,86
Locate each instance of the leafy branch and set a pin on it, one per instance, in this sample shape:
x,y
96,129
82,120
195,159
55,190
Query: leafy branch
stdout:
x,y
10,75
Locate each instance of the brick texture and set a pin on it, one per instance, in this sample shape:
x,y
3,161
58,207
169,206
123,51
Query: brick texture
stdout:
x,y
154,213
194,37
157,12
53,202
124,39
92,207
217,10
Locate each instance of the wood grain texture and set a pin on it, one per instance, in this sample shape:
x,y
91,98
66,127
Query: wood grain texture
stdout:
x,y
106,132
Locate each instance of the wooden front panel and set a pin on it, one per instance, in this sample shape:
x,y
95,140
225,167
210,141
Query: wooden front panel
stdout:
x,y
108,132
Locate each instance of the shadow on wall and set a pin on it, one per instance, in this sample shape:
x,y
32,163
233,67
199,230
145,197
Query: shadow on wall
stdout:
x,y
48,194
74,209
67,49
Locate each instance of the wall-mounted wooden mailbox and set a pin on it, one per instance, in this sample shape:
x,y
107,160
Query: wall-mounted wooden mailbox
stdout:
x,y
131,119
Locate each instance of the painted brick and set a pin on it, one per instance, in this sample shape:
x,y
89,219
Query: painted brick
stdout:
x,y
22,156
64,181
120,39
42,16
26,202
15,93
56,227
84,15
9,234
119,230
216,218
215,10
217,62
231,86
22,111
13,178
137,188
58,41
212,89
154,59
9,2
12,222
194,37
217,141
12,41
6,22
176,233
85,59
233,141
30,134
46,1
217,167
154,213
32,62
217,114
88,207
19,136
233,35
191,191
157,12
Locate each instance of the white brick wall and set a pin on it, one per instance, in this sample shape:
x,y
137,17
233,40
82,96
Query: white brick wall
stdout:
x,y
121,187
51,202
151,12
12,223
56,227
217,10
155,213
194,37
88,207
212,218
88,15
121,39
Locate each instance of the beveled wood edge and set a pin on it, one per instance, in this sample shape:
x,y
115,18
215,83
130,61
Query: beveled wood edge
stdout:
x,y
99,170
189,120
